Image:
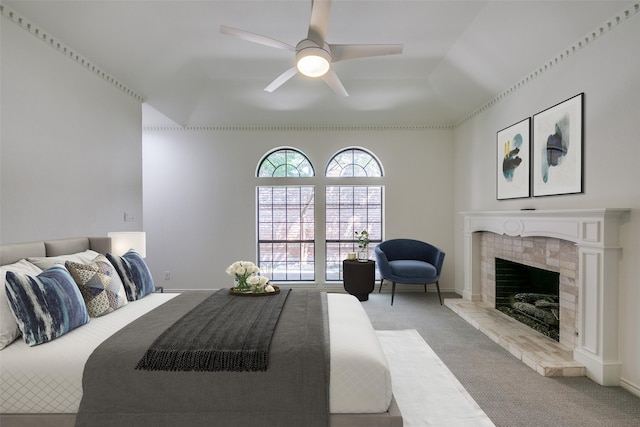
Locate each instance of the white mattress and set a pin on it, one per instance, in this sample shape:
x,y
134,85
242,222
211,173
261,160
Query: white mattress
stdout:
x,y
360,376
48,378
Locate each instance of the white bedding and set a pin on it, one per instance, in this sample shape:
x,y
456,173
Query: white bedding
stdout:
x,y
360,380
48,378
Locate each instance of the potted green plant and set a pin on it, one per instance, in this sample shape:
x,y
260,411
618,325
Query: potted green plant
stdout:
x,y
363,243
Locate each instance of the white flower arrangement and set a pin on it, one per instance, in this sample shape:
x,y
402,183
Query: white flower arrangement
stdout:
x,y
247,278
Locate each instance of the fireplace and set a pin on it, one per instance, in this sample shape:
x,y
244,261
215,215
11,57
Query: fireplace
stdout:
x,y
530,295
583,247
543,253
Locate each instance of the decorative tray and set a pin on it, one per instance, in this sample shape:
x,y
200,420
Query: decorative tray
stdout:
x,y
233,291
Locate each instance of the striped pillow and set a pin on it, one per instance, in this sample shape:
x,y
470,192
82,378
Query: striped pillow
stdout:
x,y
45,306
9,330
134,273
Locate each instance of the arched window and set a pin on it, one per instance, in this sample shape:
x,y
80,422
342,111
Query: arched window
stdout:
x,y
286,217
286,212
285,163
351,208
353,162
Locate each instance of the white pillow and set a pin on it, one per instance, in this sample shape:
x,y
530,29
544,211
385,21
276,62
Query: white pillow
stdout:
x,y
47,262
9,330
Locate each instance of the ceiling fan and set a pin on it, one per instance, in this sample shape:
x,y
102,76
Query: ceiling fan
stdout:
x,y
314,56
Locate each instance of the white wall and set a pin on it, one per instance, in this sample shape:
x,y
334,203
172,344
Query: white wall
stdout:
x,y
199,187
607,72
70,148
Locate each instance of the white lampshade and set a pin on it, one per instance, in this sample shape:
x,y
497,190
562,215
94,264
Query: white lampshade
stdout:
x,y
122,241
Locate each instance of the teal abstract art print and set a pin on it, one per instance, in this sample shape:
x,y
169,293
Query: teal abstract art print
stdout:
x,y
513,161
557,148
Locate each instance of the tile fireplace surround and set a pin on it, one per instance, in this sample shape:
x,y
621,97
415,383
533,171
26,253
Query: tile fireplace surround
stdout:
x,y
593,280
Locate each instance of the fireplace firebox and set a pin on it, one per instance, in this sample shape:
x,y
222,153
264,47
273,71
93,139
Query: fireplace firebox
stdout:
x,y
529,295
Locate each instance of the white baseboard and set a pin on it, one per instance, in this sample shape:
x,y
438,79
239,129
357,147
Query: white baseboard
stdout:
x,y
630,387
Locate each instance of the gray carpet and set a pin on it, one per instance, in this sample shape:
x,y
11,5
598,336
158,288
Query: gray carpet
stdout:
x,y
508,391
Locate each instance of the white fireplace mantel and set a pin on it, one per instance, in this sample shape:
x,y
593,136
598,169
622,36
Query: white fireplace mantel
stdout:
x,y
596,234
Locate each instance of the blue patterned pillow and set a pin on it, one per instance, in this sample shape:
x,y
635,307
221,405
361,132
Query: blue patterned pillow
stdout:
x,y
134,273
45,306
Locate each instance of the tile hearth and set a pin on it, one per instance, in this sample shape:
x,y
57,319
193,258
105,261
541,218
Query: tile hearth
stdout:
x,y
542,354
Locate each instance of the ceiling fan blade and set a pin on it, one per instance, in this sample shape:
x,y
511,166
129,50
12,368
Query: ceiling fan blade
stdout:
x,y
344,52
255,38
319,22
333,81
281,79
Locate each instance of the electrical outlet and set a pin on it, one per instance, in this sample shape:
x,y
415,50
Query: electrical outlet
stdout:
x,y
128,216
167,275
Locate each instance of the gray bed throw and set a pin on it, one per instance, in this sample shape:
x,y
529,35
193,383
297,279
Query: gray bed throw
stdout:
x,y
293,391
223,333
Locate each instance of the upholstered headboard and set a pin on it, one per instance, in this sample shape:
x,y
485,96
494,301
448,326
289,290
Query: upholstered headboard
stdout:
x,y
16,251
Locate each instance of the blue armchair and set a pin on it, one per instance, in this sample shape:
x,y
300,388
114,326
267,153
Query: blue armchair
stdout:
x,y
409,261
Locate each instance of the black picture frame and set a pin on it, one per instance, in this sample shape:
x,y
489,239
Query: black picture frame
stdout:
x,y
558,148
513,161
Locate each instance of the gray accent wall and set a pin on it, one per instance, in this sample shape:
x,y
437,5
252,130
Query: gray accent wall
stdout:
x,y
70,149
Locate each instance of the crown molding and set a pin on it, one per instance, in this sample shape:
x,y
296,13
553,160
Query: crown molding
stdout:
x,y
67,51
588,39
284,128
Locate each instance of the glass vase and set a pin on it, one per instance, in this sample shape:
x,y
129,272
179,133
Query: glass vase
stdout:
x,y
363,255
241,285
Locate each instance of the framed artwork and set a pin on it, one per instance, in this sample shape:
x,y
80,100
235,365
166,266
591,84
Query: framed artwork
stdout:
x,y
557,148
513,161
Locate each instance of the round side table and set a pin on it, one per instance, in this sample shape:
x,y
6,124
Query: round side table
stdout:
x,y
359,277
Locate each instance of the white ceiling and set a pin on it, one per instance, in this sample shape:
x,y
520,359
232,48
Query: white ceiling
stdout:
x,y
458,55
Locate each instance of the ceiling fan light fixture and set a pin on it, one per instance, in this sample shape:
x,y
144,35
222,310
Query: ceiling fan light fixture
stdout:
x,y
313,66
312,61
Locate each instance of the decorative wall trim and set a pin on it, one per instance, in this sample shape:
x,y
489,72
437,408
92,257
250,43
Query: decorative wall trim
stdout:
x,y
597,33
587,39
67,51
633,10
294,128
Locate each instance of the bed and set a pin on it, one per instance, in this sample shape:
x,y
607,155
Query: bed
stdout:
x,y
42,384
